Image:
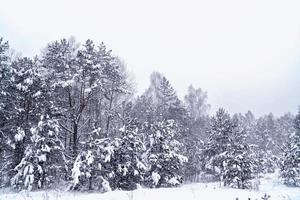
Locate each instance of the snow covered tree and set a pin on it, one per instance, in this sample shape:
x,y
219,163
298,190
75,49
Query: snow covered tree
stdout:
x,y
284,128
239,162
111,164
164,160
264,137
218,144
59,64
38,152
27,89
92,167
166,96
265,130
22,108
117,90
290,166
226,154
43,164
129,159
238,166
6,111
87,85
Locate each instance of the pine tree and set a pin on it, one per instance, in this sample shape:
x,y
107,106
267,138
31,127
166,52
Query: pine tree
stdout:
x,y
226,154
6,111
265,132
43,164
39,160
239,163
164,160
129,159
167,97
92,167
22,105
106,164
27,90
284,128
59,66
290,167
219,143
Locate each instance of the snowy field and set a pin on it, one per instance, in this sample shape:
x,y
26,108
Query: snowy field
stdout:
x,y
210,191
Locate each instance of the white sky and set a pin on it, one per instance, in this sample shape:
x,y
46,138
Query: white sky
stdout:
x,y
246,54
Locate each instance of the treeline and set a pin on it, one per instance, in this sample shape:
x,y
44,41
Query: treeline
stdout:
x,y
69,116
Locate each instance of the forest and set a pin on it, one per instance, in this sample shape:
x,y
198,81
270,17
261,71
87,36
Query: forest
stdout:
x,y
71,117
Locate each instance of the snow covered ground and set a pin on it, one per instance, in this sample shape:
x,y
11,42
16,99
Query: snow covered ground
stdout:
x,y
198,191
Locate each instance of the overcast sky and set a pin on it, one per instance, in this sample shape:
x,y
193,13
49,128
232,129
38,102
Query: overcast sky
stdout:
x,y
246,54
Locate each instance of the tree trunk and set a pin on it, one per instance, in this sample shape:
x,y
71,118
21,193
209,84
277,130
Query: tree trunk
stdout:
x,y
109,117
75,142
